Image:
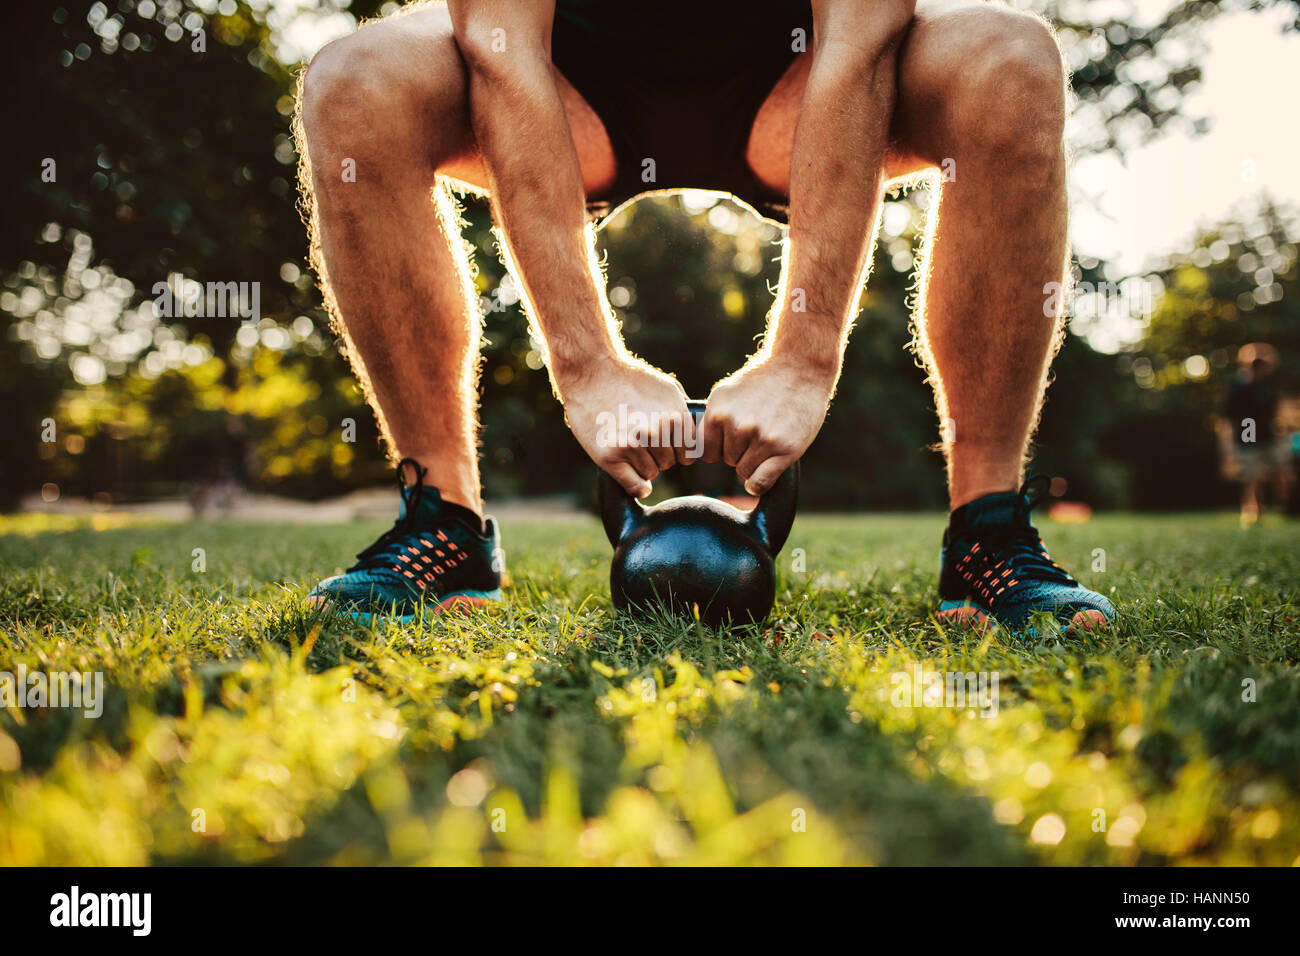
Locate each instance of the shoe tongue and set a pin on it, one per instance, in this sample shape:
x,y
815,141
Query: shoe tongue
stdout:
x,y
427,502
431,510
1003,510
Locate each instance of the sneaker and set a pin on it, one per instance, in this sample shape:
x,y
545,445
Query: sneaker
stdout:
x,y
993,566
437,555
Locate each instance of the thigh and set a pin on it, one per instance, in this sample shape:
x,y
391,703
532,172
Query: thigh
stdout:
x,y
422,74
929,58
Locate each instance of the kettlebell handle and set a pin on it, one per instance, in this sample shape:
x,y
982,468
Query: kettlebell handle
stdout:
x,y
770,521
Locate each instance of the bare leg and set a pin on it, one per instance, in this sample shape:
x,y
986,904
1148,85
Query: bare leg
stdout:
x,y
981,93
1250,501
384,123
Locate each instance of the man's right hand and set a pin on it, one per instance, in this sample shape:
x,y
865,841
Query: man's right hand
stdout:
x,y
631,418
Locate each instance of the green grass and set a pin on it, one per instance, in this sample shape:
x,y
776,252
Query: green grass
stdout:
x,y
237,727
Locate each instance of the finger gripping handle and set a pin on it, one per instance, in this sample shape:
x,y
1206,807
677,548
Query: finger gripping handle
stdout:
x,y
770,521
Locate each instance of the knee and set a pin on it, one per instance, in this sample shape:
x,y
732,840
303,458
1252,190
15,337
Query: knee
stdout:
x,y
391,95
1013,105
340,92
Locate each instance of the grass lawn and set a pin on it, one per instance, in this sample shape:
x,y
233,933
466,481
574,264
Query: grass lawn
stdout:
x,y
236,727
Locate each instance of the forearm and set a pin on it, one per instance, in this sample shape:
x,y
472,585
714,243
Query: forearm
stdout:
x,y
539,202
835,181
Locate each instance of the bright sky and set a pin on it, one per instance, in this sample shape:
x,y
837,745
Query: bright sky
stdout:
x,y
1131,214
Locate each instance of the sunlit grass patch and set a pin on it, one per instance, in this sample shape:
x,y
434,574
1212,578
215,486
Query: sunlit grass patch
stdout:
x,y
238,725
28,524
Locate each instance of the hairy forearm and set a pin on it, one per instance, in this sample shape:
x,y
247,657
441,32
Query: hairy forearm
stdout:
x,y
835,185
537,192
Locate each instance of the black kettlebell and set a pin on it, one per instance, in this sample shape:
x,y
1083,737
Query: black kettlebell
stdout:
x,y
696,551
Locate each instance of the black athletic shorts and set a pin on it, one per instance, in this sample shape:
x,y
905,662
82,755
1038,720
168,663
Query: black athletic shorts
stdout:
x,y
677,84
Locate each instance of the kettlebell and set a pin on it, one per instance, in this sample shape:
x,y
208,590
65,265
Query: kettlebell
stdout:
x,y
695,551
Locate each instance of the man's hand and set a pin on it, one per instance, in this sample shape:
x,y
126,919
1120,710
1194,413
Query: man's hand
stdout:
x,y
630,418
538,194
761,419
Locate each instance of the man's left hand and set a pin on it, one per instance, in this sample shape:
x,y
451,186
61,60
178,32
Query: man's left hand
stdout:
x,y
761,419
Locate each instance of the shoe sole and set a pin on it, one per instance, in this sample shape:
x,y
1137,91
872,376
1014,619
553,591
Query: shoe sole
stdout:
x,y
460,601
969,614
965,614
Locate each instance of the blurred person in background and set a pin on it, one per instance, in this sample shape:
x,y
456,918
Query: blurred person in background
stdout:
x,y
1288,416
1255,449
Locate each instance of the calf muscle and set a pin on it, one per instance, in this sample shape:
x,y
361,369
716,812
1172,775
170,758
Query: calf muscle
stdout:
x,y
384,241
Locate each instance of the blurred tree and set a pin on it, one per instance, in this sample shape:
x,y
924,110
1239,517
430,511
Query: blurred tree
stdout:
x,y
1130,79
164,132
1237,284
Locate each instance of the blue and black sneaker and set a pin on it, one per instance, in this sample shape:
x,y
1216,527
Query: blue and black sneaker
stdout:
x,y
994,565
437,555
